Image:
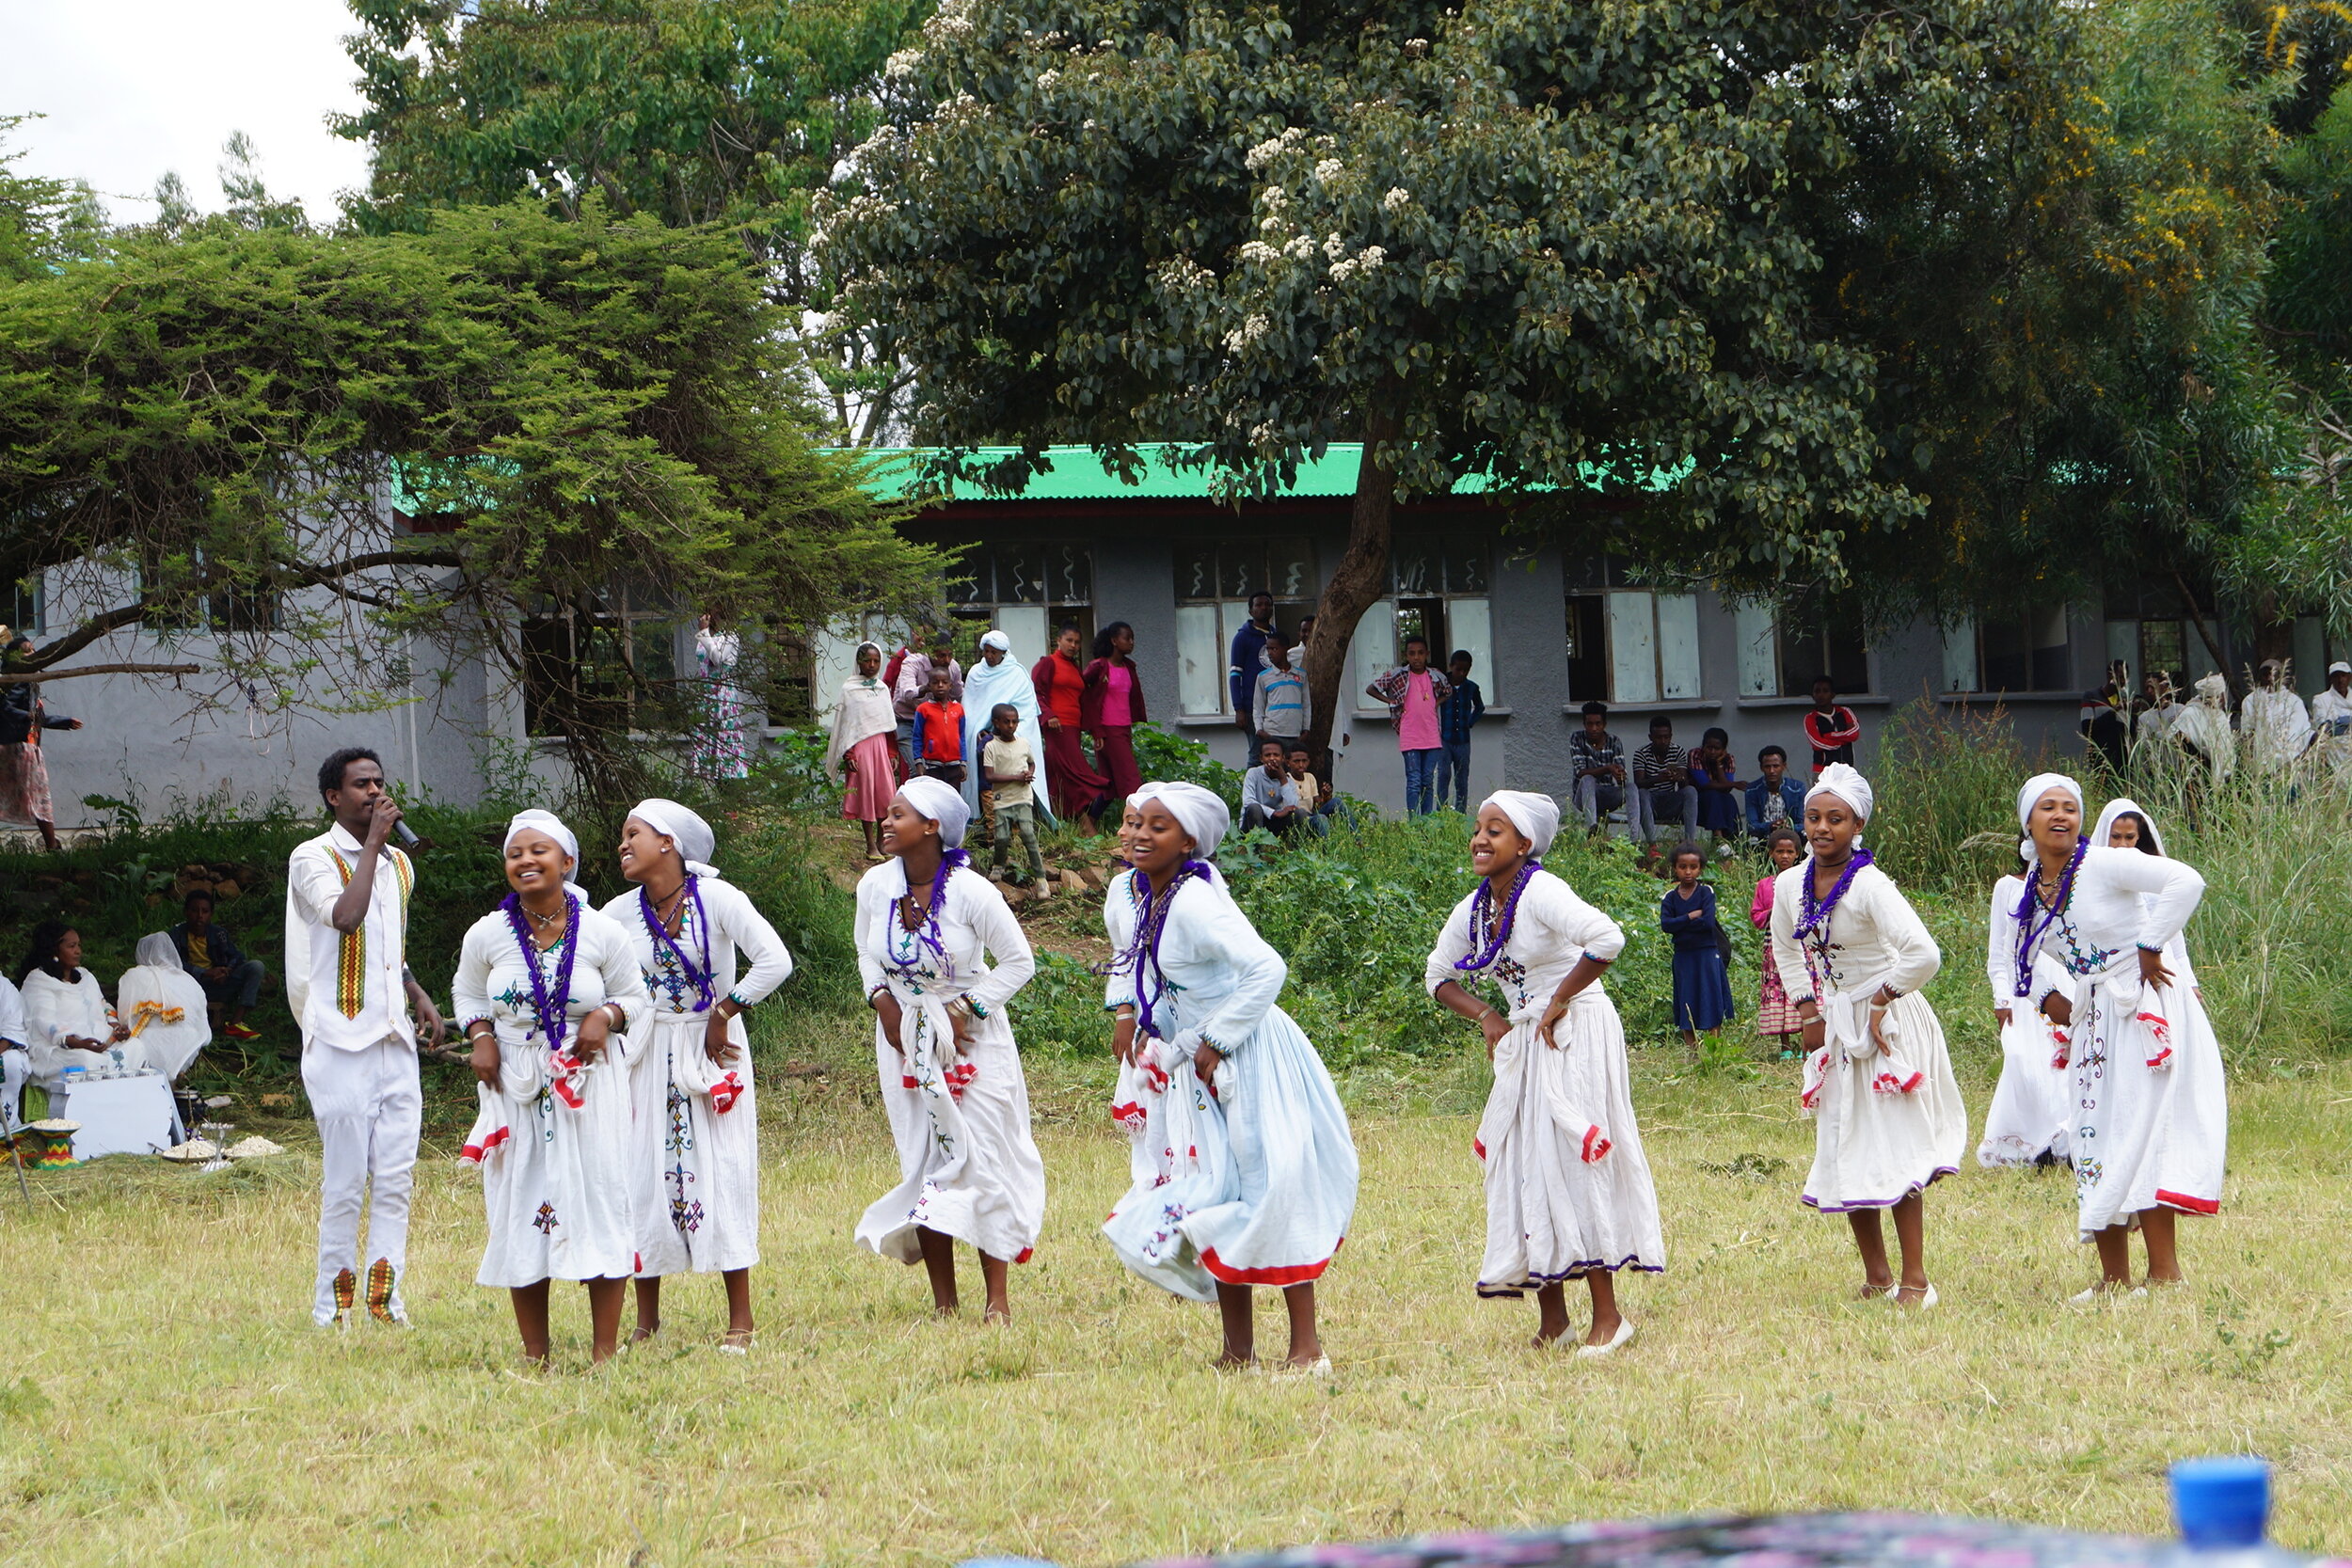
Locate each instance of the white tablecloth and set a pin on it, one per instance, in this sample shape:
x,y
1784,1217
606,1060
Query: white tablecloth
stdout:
x,y
119,1116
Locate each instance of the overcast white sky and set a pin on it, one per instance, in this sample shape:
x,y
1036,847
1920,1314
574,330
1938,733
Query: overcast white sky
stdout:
x,y
132,87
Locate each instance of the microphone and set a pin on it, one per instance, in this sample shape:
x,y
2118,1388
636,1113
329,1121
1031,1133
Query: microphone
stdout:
x,y
407,836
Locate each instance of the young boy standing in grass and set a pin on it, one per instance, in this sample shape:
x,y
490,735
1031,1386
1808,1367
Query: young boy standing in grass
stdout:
x,y
1008,769
1464,706
939,733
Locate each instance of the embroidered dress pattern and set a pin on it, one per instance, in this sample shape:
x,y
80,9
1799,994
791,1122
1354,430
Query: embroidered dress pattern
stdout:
x,y
351,953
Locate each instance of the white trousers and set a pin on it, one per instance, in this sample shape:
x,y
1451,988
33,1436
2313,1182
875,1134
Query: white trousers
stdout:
x,y
15,1066
370,1109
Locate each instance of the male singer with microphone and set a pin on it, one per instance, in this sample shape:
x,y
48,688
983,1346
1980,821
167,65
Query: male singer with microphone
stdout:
x,y
347,979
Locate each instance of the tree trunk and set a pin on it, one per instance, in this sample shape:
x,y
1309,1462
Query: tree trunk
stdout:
x,y
1358,583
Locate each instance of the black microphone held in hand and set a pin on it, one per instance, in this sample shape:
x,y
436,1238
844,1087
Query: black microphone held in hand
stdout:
x,y
407,835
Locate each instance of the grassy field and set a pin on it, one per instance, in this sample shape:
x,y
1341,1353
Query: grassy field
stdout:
x,y
166,1400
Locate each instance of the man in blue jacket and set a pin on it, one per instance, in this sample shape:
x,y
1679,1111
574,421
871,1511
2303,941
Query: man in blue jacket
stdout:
x,y
1775,799
231,981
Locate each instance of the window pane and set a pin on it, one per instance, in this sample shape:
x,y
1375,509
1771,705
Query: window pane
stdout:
x,y
833,660
1678,647
1373,650
2051,664
1240,571
1195,572
1021,574
1291,566
1960,657
2161,647
972,579
1849,659
1235,613
1416,570
2311,655
2005,661
1025,628
1200,660
1588,648
1473,634
1632,648
2123,643
1759,650
1466,570
1069,575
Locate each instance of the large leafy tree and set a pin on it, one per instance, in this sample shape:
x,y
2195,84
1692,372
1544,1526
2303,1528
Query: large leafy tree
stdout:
x,y
729,112
201,429
1566,246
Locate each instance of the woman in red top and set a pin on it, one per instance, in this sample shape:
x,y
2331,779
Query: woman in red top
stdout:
x,y
1078,789
1113,706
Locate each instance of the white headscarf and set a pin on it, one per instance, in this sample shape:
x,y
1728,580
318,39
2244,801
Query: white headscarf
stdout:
x,y
1204,815
2038,786
939,802
156,951
681,826
2116,808
998,641
2214,690
547,822
1848,785
1536,816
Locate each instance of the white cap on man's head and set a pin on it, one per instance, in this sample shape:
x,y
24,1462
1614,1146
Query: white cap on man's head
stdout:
x,y
2340,667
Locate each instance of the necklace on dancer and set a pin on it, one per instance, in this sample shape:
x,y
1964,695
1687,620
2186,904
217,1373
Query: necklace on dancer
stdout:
x,y
1814,909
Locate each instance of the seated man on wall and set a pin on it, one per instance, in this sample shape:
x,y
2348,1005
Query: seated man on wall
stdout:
x,y
1662,791
231,981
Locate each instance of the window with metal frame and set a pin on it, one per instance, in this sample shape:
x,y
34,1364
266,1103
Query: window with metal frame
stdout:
x,y
1216,580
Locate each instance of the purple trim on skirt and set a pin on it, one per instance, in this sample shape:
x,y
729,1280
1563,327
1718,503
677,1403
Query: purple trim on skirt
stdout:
x,y
1940,1173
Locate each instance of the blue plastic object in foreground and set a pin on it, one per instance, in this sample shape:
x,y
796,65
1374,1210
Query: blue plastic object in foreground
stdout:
x,y
2221,1503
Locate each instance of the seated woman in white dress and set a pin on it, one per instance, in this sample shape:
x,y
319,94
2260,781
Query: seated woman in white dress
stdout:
x,y
546,987
1569,1190
65,1011
1244,1169
697,1119
2097,940
162,1006
1888,1121
969,1169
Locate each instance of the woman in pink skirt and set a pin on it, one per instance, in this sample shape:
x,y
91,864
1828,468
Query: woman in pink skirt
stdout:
x,y
864,728
1113,706
1776,1022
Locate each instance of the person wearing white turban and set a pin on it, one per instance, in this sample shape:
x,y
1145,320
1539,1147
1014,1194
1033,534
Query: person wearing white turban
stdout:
x,y
1568,1189
996,680
696,1112
162,1006
347,983
547,991
928,925
1853,955
2204,726
1244,1169
2093,944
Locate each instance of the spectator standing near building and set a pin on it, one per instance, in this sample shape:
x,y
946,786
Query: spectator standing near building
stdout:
x,y
2278,727
231,981
1775,799
939,733
1662,790
1464,706
1059,681
896,665
913,686
1112,706
859,747
25,801
2331,717
1597,769
1414,692
1269,797
1281,708
1715,775
1830,728
1246,657
2161,708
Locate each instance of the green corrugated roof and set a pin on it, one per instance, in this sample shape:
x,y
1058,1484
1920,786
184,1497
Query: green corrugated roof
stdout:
x,y
1078,474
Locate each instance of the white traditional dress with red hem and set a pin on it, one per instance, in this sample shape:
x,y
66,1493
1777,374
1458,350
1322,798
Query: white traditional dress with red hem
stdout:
x,y
2150,1120
1251,1181
1568,1189
968,1163
2032,1104
697,1123
561,1187
1887,1120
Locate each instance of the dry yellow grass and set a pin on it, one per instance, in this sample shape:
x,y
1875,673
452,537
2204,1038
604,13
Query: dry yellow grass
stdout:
x,y
167,1398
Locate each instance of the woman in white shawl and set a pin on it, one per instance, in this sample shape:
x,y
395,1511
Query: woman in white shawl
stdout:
x,y
993,680
861,748
163,1005
65,1012
1244,1169
2091,945
1853,954
697,1119
547,988
1568,1191
944,1047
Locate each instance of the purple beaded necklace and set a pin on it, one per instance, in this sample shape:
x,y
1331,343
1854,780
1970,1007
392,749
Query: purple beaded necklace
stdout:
x,y
1482,914
654,923
2030,934
1140,958
553,1009
907,953
1813,913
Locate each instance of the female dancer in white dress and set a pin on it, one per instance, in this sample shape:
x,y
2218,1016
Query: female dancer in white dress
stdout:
x,y
697,1118
1244,1173
2150,1123
1889,1120
545,990
2028,1122
942,1044
1568,1192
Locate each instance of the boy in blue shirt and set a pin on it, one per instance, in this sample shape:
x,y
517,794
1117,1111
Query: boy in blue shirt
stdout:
x,y
1463,707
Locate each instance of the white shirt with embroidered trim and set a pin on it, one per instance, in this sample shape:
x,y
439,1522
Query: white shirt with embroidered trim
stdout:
x,y
315,880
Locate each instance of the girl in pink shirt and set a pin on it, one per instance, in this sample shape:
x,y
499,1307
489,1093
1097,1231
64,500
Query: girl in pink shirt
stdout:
x,y
1113,706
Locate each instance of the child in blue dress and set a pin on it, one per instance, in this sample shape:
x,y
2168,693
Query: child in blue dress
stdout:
x,y
1703,1002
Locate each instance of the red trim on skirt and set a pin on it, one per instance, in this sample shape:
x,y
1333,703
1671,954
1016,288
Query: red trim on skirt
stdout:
x,y
1292,1274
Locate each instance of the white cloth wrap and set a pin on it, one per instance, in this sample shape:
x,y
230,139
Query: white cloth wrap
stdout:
x,y
1848,785
1204,814
683,827
1536,816
938,801
150,992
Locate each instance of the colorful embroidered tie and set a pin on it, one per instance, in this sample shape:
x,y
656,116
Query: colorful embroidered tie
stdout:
x,y
351,956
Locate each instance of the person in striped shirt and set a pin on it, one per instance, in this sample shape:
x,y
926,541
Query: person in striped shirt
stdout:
x,y
1281,708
